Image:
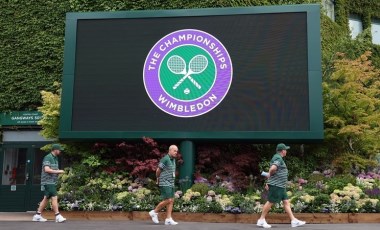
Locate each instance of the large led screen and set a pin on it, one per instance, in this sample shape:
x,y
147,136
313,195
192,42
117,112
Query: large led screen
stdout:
x,y
251,73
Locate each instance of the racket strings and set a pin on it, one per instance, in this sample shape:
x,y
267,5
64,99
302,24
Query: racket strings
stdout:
x,y
198,64
176,64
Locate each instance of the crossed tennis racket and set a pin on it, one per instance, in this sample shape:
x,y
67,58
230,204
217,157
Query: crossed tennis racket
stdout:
x,y
197,65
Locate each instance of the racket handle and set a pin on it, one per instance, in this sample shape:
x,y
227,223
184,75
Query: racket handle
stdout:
x,y
194,82
180,82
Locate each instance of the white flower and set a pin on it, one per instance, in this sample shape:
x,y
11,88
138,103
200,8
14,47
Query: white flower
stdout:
x,y
211,193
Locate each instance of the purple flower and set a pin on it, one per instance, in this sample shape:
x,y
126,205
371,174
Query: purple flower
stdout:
x,y
373,193
200,180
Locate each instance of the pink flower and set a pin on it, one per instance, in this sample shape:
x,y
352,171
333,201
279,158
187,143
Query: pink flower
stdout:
x,y
302,181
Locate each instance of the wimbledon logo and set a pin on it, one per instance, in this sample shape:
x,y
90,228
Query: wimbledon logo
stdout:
x,y
187,73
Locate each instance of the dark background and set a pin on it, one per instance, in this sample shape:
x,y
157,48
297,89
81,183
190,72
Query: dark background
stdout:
x,y
269,90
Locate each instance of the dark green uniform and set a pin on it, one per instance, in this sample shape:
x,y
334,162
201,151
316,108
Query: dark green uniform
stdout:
x,y
49,180
277,182
167,176
280,178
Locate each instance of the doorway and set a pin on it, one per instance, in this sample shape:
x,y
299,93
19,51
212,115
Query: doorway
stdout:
x,y
20,177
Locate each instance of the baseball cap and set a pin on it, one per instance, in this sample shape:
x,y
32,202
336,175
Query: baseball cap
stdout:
x,y
56,147
282,146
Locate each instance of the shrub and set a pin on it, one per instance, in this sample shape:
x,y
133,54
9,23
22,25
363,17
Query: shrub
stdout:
x,y
250,206
339,181
315,178
298,167
202,188
368,207
126,199
377,207
313,191
229,164
321,199
348,206
220,190
237,200
210,207
152,186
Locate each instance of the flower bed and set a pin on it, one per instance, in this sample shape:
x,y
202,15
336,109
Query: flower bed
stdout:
x,y
320,199
117,192
273,218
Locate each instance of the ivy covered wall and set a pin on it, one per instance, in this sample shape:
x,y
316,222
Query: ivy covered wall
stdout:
x,y
366,10
336,31
32,37
31,50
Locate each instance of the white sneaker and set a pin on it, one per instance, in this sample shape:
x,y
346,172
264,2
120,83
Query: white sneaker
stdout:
x,y
154,216
297,223
38,218
263,223
60,219
170,222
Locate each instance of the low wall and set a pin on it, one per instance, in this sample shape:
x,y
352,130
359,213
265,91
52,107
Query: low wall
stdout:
x,y
312,218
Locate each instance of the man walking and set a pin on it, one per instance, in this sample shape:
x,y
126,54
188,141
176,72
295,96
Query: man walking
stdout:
x,y
49,178
277,178
165,175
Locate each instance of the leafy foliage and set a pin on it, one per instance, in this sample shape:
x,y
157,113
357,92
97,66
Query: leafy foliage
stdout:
x,y
140,159
322,199
229,163
202,188
351,163
352,107
51,113
31,51
339,182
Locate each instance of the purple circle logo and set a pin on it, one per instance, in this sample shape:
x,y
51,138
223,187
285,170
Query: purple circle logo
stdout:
x,y
187,73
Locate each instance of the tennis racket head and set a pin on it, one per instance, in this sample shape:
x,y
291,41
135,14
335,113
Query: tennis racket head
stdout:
x,y
176,64
198,64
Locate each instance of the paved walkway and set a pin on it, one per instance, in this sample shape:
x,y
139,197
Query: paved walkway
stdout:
x,y
17,221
